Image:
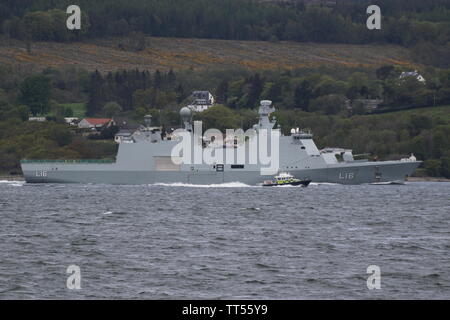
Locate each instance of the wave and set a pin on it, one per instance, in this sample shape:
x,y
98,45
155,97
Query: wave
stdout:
x,y
220,185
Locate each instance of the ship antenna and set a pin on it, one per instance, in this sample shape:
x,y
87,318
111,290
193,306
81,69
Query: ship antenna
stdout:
x,y
264,112
148,121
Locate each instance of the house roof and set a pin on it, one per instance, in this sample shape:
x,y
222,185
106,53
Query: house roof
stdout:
x,y
410,74
201,94
124,133
97,121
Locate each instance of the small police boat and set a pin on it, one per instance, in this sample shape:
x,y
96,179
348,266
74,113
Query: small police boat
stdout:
x,y
285,179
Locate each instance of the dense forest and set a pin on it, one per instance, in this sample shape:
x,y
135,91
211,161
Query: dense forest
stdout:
x,y
423,25
329,92
325,90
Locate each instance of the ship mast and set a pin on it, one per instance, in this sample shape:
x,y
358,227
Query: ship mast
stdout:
x,y
265,109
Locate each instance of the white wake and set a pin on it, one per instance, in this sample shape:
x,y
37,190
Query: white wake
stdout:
x,y
13,183
220,185
324,184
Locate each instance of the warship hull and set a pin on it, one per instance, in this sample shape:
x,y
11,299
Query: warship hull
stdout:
x,y
351,173
148,158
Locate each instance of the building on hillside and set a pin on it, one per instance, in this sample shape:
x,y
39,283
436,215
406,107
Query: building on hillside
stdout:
x,y
412,74
38,119
201,101
73,121
368,104
95,123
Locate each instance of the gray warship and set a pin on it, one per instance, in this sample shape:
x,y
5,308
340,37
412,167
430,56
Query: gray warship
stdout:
x,y
147,158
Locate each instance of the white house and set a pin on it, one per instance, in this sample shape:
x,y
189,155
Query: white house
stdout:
x,y
414,74
202,100
38,119
71,120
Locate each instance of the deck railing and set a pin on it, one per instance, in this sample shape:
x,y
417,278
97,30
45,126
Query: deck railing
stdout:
x,y
80,161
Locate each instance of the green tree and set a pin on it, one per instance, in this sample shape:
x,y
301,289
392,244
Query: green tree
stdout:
x,y
59,28
219,117
111,109
60,134
96,93
432,167
68,112
14,28
385,71
39,25
408,92
253,89
222,92
303,95
329,104
417,123
445,167
35,93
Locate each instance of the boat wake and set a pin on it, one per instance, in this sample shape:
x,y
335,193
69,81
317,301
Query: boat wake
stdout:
x,y
13,183
221,185
386,183
288,186
323,184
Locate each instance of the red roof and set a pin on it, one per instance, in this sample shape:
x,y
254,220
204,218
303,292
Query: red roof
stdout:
x,y
98,121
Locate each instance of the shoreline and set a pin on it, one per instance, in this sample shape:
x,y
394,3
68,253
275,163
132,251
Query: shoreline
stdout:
x,y
12,178
427,179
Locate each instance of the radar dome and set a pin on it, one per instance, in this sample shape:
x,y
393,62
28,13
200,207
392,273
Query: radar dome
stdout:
x,y
185,113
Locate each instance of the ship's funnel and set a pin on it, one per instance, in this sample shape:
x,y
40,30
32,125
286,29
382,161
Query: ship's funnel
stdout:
x,y
148,120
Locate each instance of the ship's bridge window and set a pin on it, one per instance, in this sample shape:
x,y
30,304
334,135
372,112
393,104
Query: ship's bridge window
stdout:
x,y
237,166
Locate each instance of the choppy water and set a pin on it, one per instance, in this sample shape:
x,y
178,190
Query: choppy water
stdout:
x,y
168,242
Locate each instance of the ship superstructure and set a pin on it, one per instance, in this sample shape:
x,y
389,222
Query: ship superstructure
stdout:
x,y
147,157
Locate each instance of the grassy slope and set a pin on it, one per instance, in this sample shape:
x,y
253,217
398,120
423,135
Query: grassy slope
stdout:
x,y
79,109
199,54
